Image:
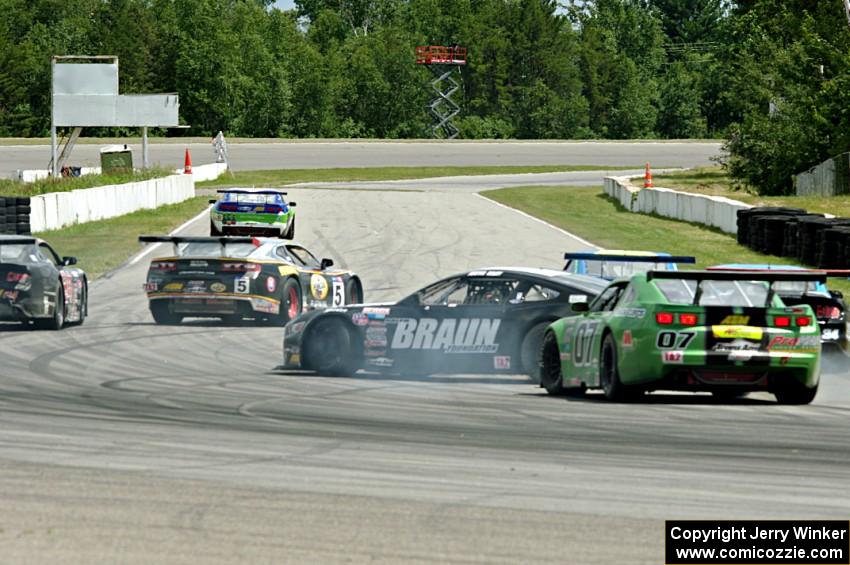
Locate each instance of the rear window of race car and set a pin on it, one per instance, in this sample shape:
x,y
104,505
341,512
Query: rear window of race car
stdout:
x,y
250,198
21,253
617,269
215,249
715,293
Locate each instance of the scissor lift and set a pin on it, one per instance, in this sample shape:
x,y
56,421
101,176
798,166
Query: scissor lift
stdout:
x,y
444,63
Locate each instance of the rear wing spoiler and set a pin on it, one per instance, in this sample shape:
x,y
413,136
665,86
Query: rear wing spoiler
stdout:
x,y
17,241
630,258
250,191
727,275
176,239
830,273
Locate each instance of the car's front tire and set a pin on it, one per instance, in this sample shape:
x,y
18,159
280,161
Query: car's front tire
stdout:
x,y
290,232
330,348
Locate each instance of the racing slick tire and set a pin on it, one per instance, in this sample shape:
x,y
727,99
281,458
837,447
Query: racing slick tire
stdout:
x,y
214,230
530,349
550,365
291,302
56,321
353,291
330,349
290,233
162,314
793,391
609,374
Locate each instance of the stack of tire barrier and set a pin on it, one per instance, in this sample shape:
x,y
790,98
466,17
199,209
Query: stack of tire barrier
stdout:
x,y
746,224
833,245
15,215
792,246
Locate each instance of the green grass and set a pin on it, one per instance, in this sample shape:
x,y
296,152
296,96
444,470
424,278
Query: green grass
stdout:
x,y
272,178
64,184
592,215
713,181
106,244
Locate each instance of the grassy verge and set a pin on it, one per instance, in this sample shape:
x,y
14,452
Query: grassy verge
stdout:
x,y
280,177
590,214
713,181
64,184
104,245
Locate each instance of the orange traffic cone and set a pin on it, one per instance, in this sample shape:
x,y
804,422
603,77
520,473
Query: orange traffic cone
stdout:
x,y
647,177
187,163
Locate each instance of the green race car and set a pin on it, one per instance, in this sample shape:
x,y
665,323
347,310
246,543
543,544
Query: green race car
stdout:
x,y
728,333
252,213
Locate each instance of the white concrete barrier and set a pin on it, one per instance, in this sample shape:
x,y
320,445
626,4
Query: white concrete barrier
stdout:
x,y
714,211
61,209
32,175
202,173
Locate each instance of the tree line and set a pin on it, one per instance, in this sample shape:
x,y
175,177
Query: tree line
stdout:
x,y
769,76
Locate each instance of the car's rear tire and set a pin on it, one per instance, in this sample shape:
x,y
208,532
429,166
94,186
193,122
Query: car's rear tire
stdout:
x,y
162,314
529,351
84,305
353,291
291,302
214,230
609,373
57,321
290,233
792,391
329,348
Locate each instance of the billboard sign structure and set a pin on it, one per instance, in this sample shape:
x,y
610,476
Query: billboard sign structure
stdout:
x,y
85,94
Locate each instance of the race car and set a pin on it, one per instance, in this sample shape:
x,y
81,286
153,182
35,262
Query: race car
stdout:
x,y
234,278
483,321
252,212
828,305
610,264
38,286
724,332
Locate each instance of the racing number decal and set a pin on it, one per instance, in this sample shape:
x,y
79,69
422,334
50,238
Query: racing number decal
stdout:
x,y
674,340
338,298
242,285
583,344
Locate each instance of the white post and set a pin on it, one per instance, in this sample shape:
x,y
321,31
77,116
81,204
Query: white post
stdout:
x,y
144,147
53,152
847,9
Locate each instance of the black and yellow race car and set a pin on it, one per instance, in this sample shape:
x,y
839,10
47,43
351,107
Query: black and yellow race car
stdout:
x,y
234,278
38,286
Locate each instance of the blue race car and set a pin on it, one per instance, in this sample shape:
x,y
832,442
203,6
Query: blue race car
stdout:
x,y
828,305
611,264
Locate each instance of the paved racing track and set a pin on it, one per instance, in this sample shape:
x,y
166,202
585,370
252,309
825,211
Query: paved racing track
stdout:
x,y
122,441
321,155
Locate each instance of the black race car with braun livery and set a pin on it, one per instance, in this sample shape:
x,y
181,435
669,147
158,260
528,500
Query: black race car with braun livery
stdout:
x,y
38,286
484,321
234,278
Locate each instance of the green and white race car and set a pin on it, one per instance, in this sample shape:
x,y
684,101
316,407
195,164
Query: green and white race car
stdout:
x,y
728,333
252,213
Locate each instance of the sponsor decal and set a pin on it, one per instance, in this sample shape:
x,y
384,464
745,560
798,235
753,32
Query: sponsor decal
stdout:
x,y
577,298
196,286
271,284
376,336
315,304
673,357
502,362
198,264
737,332
494,273
741,355
359,319
260,305
736,345
376,313
463,335
381,362
735,320
830,335
318,287
637,313
17,277
217,287
628,341
241,285
295,359
476,273
807,343
565,356
151,286
173,286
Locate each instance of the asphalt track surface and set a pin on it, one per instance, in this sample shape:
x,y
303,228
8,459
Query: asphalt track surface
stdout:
x,y
322,155
126,442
